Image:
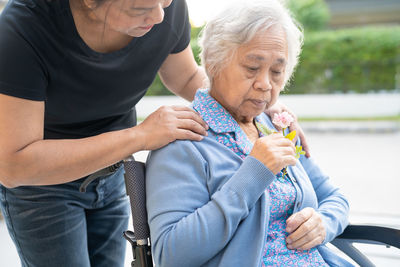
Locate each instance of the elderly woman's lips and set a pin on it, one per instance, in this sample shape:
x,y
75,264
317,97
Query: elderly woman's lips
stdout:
x,y
258,103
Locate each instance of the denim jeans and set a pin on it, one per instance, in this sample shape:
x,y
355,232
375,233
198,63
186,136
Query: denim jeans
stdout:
x,y
59,226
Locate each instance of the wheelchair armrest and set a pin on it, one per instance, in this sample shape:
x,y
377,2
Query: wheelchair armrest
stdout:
x,y
372,234
367,234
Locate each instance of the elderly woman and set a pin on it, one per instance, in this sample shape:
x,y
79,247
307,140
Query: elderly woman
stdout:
x,y
239,198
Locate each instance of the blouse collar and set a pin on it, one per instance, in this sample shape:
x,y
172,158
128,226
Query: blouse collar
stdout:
x,y
213,113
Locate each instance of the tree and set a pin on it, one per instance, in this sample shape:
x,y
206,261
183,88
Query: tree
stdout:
x,y
312,14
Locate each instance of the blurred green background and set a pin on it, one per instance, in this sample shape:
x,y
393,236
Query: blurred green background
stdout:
x,y
341,54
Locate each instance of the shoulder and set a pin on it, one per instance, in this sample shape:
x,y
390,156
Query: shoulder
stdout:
x,y
184,156
32,22
178,162
186,150
191,153
177,16
25,29
28,14
176,12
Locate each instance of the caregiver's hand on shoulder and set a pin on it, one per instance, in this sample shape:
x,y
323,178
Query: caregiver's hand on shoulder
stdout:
x,y
169,123
306,229
274,151
277,108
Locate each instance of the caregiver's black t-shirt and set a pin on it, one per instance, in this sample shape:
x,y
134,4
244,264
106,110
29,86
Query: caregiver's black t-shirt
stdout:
x,y
43,58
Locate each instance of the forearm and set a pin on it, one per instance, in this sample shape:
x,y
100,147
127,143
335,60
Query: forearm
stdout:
x,y
332,204
334,211
46,162
181,74
196,81
333,207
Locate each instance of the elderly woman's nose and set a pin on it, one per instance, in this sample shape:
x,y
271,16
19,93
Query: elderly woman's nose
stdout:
x,y
156,15
263,82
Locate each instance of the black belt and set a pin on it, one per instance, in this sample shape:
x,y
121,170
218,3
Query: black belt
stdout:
x,y
103,172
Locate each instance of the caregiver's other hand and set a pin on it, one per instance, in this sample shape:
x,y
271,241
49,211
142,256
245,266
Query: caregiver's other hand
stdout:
x,y
278,107
274,151
306,229
169,123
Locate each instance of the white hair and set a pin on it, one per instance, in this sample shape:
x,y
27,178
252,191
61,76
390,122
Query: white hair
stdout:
x,y
238,24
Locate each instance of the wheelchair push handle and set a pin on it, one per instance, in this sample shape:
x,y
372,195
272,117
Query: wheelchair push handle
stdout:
x,y
136,190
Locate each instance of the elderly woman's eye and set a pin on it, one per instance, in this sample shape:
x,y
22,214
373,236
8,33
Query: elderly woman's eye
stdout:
x,y
276,72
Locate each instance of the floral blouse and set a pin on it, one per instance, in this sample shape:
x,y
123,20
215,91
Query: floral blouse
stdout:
x,y
281,191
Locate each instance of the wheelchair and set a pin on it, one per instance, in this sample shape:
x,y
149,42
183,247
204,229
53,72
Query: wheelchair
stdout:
x,y
140,239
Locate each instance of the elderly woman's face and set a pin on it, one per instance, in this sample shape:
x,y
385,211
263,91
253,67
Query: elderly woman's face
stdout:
x,y
253,79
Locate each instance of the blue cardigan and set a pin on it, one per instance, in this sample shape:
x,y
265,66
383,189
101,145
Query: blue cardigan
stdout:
x,y
208,207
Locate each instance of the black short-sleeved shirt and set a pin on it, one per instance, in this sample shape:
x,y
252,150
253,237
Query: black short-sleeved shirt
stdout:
x,y
43,58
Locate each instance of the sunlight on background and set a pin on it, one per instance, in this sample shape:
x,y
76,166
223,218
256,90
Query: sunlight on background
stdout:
x,y
201,11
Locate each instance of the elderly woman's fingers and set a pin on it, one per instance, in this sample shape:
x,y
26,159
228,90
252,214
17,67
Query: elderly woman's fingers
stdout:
x,y
310,229
298,218
303,234
290,160
312,239
280,140
286,143
274,151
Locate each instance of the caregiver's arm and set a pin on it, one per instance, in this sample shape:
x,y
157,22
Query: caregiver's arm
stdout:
x,y
26,158
181,74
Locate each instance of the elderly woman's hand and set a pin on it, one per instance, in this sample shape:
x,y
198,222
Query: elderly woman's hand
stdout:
x,y
306,230
278,107
275,152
